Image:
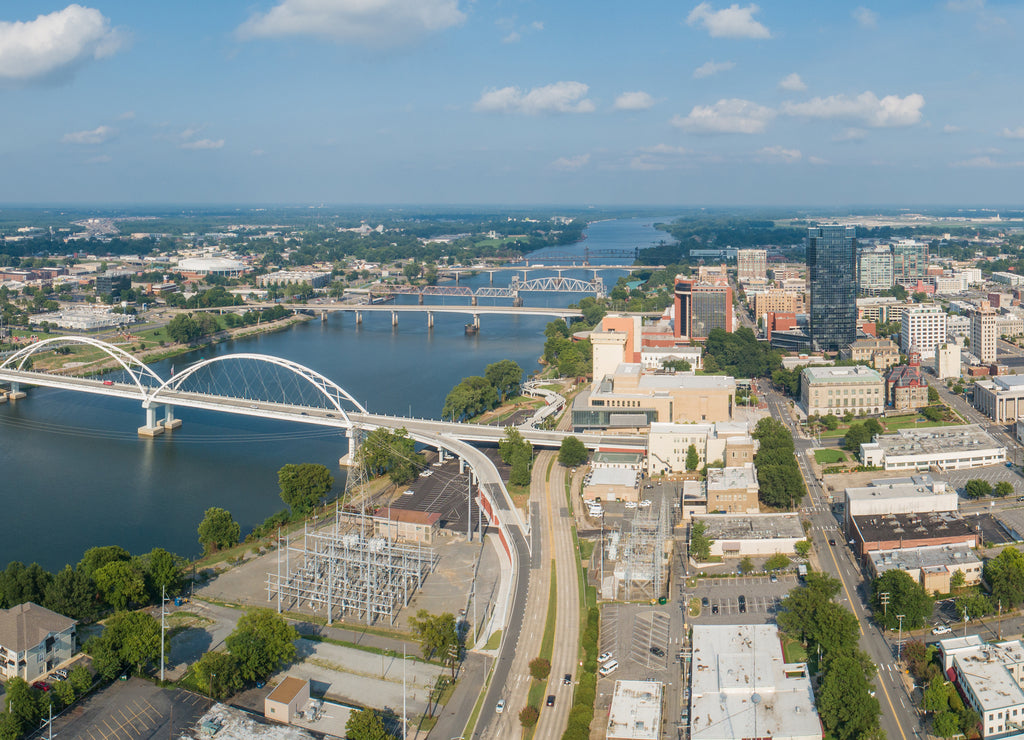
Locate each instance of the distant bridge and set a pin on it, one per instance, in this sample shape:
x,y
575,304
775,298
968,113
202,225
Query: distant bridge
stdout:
x,y
547,284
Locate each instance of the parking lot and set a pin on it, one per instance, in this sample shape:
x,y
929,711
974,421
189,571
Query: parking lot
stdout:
x,y
441,489
131,710
720,598
992,474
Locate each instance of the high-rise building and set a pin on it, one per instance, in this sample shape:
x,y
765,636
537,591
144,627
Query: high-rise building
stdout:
x,y
701,308
984,333
923,328
832,268
909,260
751,264
874,269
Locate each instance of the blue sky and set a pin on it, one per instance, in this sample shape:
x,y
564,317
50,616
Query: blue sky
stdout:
x,y
511,102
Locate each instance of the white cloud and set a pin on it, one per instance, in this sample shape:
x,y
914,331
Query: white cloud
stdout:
x,y
712,68
964,6
637,100
657,157
571,164
1013,133
851,134
865,18
733,22
793,83
538,25
53,46
203,144
986,162
370,22
817,160
889,111
731,116
511,38
128,115
951,129
558,97
781,153
96,136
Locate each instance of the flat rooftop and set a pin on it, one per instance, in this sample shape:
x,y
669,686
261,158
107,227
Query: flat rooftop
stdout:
x,y
874,528
635,712
923,487
616,458
930,556
613,477
752,526
936,440
740,686
1006,382
687,382
846,374
985,669
724,479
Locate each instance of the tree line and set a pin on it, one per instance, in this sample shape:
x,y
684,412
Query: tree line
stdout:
x,y
476,394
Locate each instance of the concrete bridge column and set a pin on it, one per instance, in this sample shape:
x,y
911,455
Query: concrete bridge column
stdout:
x,y
359,317
169,421
430,319
16,392
349,459
152,427
476,321
394,318
421,299
462,466
472,301
323,317
441,454
3,396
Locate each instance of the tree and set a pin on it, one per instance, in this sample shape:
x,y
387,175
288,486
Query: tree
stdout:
x,y
778,561
183,329
746,566
522,461
855,436
977,488
803,548
798,610
471,397
390,452
262,643
528,716
1003,489
946,724
80,679
366,724
105,658
72,594
933,396
973,604
10,727
1005,576
436,632
65,692
933,413
163,571
831,422
218,674
505,376
700,543
96,557
957,581
218,530
905,596
692,458
20,702
303,486
121,583
777,472
135,638
845,704
572,452
540,668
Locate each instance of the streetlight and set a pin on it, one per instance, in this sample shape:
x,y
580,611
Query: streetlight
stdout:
x,y
899,642
163,629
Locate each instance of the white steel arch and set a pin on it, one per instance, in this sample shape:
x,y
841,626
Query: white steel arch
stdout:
x,y
136,368
327,387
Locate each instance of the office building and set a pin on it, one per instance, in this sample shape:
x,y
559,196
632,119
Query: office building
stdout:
x,y
984,333
874,269
922,329
775,300
751,264
941,448
947,360
733,490
909,261
932,566
1001,398
832,266
990,678
887,532
295,277
635,712
742,687
700,308
881,354
839,390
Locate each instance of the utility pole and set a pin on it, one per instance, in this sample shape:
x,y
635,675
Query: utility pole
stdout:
x,y
899,643
163,629
999,619
967,618
884,598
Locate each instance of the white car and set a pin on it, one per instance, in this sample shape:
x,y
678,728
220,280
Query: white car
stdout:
x,y
631,504
501,706
941,630
604,657
645,503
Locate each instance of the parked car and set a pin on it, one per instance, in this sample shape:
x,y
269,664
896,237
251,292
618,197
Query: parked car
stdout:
x,y
655,650
774,578
631,504
41,685
604,657
714,608
941,630
704,601
743,604
609,667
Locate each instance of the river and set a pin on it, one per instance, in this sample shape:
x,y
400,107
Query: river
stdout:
x,y
74,474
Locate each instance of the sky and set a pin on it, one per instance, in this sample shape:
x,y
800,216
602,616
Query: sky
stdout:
x,y
514,102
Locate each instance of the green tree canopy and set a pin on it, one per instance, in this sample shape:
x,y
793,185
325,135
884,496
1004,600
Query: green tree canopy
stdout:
x,y
262,643
700,543
572,452
471,397
218,530
778,561
304,486
21,704
977,488
218,674
845,704
96,557
505,376
121,583
163,571
1005,576
366,724
72,594
778,475
906,597
855,436
1003,489
692,457
391,452
183,329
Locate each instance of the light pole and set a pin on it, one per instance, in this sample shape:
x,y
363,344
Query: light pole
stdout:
x,y
899,642
163,629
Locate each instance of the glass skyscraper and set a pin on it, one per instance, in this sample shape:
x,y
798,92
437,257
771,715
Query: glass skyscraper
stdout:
x,y
832,269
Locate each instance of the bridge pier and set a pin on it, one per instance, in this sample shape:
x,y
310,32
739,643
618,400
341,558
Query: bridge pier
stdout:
x,y
472,301
462,466
359,317
152,428
348,460
517,300
442,454
3,396
421,299
394,318
169,421
15,393
430,319
323,317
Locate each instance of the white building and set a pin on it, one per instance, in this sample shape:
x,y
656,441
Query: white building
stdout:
x,y
751,264
756,535
741,686
727,442
1000,398
941,448
923,328
635,713
947,361
984,333
295,277
34,641
654,358
990,677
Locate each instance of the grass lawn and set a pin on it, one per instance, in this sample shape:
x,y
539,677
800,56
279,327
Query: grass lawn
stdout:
x,y
792,650
921,423
494,641
829,456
